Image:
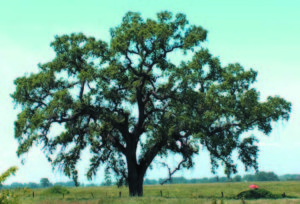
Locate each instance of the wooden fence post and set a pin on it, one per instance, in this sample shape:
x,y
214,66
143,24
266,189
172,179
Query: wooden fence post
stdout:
x,y
222,194
160,193
120,194
33,194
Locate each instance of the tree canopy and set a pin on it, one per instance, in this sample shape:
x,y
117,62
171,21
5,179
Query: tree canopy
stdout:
x,y
45,182
117,97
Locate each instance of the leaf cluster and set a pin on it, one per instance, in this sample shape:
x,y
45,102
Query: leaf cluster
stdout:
x,y
8,173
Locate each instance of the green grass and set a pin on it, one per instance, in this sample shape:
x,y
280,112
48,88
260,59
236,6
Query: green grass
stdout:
x,y
176,193
57,190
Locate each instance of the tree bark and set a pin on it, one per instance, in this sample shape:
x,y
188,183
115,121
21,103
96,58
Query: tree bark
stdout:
x,y
135,182
135,173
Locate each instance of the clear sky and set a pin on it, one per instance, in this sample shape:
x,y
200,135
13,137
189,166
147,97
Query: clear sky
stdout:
x,y
263,35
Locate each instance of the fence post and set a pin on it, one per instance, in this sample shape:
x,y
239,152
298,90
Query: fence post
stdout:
x,y
33,194
222,194
120,194
63,195
160,193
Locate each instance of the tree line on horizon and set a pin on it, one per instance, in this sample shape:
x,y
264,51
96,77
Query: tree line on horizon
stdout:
x,y
260,176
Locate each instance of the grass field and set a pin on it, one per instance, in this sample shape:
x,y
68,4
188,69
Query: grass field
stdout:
x,y
176,193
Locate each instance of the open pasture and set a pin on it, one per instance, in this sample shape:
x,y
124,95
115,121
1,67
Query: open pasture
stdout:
x,y
176,193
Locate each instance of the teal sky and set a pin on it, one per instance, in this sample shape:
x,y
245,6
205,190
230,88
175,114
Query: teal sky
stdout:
x,y
263,35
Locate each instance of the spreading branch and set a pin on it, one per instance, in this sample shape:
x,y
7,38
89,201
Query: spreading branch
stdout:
x,y
171,172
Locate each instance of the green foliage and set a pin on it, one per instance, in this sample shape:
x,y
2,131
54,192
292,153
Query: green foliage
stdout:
x,y
57,190
7,196
290,177
94,89
237,178
266,176
45,182
8,173
257,194
261,176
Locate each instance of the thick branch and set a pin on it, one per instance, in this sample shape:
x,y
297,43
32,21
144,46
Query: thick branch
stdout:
x,y
116,143
81,91
151,153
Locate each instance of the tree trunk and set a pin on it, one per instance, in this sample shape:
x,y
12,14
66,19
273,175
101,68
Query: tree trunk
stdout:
x,y
135,173
135,182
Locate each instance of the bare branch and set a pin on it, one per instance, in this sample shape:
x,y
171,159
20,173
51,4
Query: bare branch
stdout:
x,y
129,65
172,172
163,109
160,97
132,52
137,47
146,99
81,91
116,143
173,48
70,85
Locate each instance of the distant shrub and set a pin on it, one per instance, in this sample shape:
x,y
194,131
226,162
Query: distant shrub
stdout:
x,y
256,194
58,190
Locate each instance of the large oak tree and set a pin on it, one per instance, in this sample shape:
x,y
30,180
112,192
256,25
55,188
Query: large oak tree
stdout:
x,y
113,98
